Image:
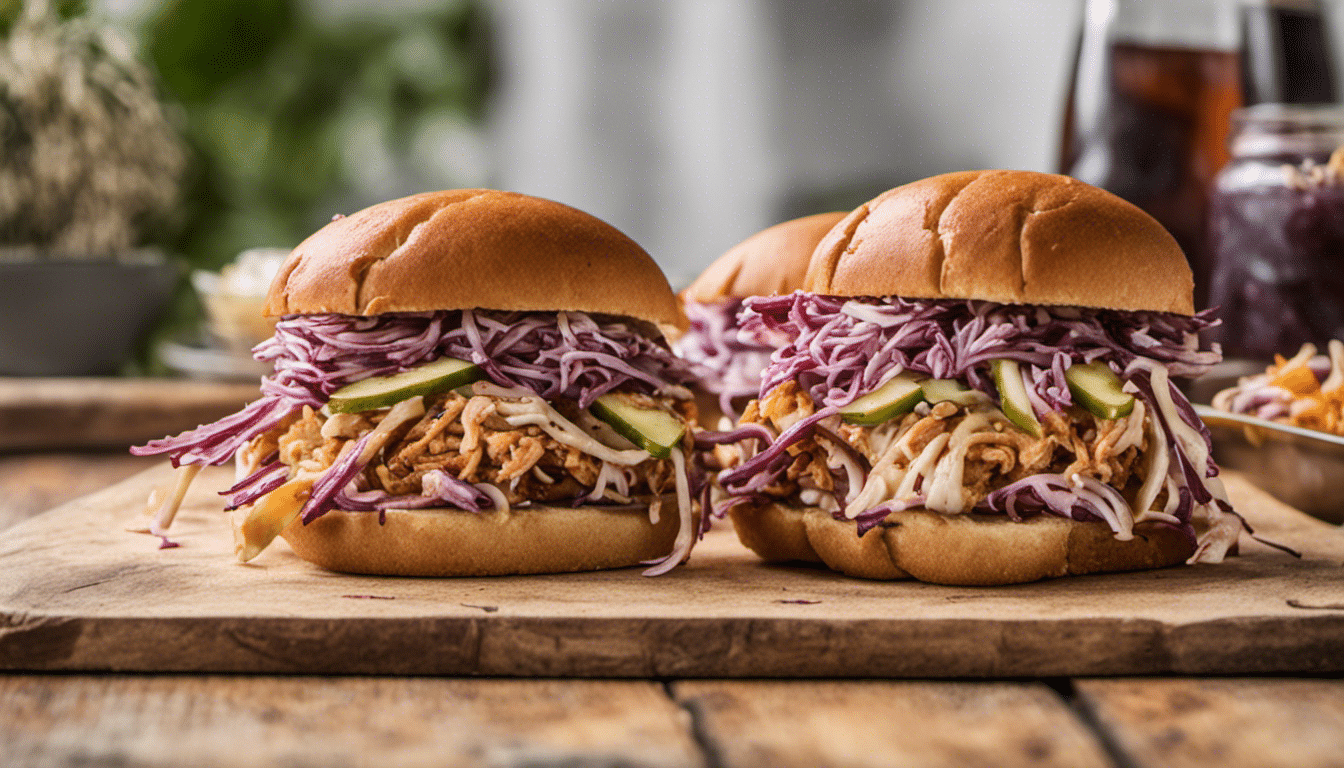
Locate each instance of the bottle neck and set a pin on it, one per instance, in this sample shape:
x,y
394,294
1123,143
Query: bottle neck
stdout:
x,y
1197,24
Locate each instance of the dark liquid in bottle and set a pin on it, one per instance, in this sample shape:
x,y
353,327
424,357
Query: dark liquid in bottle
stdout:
x,y
1286,58
1155,133
1279,279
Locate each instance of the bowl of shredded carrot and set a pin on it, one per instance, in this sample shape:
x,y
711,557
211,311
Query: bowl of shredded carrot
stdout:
x,y
1284,428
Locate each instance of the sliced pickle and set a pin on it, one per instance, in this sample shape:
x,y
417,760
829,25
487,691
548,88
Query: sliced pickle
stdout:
x,y
895,398
653,429
1096,387
1013,396
951,390
384,391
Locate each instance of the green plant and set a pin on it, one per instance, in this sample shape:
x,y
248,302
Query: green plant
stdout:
x,y
295,116
90,164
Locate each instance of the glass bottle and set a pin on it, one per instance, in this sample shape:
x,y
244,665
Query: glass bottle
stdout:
x,y
1277,231
1154,83
1285,53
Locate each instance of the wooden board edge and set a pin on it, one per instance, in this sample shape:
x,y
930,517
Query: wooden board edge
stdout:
x,y
670,648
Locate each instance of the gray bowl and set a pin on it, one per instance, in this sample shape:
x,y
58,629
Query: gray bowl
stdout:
x,y
79,318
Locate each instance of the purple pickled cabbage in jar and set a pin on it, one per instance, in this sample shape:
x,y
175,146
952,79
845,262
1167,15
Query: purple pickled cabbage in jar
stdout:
x,y
1277,231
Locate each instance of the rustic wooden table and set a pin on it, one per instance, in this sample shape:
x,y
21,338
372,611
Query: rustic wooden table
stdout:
x,y
225,720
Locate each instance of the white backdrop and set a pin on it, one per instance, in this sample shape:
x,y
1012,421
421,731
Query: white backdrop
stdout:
x,y
691,124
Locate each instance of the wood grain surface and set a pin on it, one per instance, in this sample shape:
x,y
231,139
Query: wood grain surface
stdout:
x,y
1232,723
46,413
166,720
804,724
176,722
78,592
35,482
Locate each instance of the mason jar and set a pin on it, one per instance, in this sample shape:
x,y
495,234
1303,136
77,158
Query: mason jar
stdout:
x,y
1276,230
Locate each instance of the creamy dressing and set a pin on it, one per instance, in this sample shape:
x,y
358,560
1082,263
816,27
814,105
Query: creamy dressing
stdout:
x,y
882,478
921,466
1132,437
537,413
1158,461
163,518
685,535
944,489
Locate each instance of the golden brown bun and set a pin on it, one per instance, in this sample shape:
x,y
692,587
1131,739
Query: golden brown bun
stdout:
x,y
467,248
769,262
972,550
1015,237
451,542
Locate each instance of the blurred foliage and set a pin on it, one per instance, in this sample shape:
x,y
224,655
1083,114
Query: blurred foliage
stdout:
x,y
11,10
90,164
293,110
294,117
298,110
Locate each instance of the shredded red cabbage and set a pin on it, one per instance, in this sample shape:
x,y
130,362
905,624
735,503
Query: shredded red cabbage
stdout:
x,y
844,347
439,489
725,362
556,355
270,476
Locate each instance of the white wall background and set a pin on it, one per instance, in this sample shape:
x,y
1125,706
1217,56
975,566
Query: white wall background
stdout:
x,y
690,124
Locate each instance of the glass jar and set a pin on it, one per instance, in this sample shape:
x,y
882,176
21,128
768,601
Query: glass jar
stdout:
x,y
1276,228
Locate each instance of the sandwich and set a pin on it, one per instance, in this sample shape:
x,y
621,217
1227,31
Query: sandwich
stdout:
x,y
728,365
469,382
978,389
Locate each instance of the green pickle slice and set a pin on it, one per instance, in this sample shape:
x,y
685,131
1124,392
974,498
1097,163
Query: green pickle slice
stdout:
x,y
950,390
895,398
1013,396
653,429
384,391
1096,387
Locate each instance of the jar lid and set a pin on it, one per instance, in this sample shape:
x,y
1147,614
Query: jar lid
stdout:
x,y
1287,129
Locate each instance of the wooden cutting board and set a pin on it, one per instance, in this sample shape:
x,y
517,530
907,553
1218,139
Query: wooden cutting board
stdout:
x,y
79,592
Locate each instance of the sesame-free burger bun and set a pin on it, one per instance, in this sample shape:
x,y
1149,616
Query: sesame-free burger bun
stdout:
x,y
468,248
969,549
1015,237
772,261
454,542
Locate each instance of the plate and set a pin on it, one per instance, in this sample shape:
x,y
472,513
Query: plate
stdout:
x,y
211,362
1300,467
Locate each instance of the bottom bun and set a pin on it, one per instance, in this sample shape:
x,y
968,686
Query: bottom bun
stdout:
x,y
971,550
452,542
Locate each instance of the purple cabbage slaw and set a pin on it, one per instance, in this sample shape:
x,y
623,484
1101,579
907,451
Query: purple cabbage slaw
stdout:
x,y
726,363
845,347
555,355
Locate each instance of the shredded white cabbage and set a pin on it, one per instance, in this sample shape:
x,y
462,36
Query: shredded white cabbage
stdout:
x,y
945,490
681,547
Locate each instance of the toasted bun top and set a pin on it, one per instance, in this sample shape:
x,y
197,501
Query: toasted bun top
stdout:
x,y
769,262
1015,237
468,248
